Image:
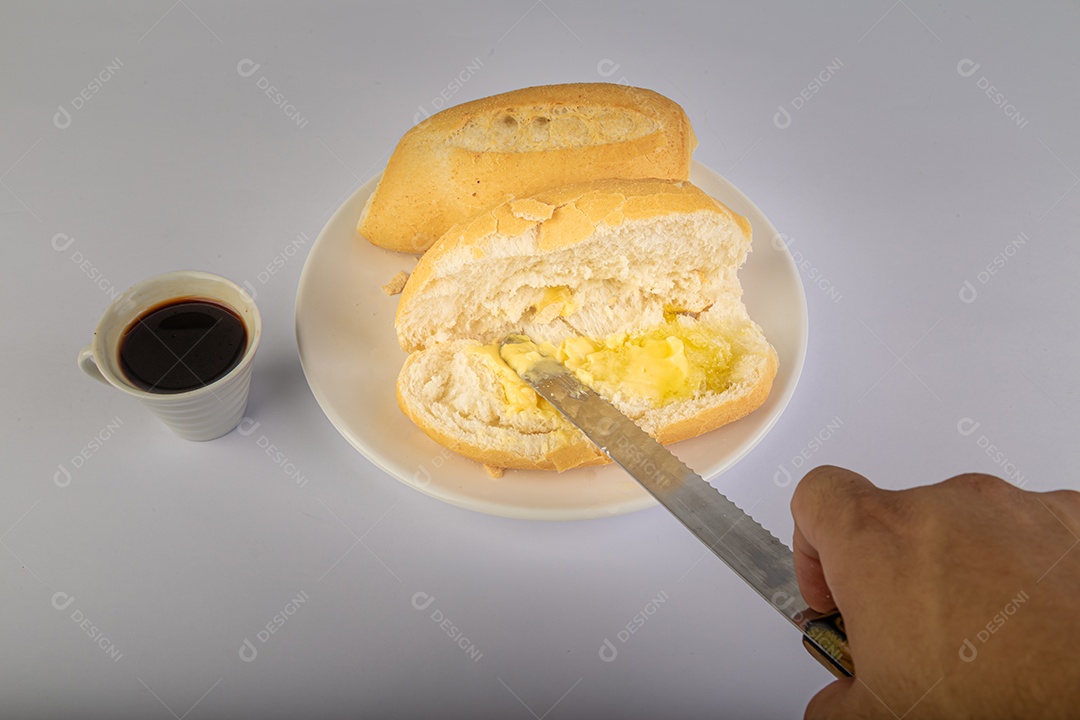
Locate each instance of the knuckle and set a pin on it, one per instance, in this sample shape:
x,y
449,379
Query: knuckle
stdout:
x,y
1066,504
1066,498
988,487
878,509
846,500
825,481
825,474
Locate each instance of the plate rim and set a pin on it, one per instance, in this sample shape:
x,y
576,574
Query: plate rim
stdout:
x,y
610,509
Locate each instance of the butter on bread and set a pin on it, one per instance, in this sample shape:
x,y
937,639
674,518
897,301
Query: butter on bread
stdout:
x,y
632,283
470,158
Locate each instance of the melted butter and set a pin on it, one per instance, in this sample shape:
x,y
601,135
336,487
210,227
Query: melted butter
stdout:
x,y
519,396
668,363
558,296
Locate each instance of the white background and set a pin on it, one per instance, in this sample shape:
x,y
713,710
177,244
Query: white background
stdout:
x,y
897,181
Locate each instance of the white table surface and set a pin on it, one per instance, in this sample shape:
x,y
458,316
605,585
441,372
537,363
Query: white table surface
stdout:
x,y
897,181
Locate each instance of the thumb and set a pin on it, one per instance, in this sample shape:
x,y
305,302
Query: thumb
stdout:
x,y
832,702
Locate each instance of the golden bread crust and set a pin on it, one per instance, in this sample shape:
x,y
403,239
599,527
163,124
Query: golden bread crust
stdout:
x,y
472,157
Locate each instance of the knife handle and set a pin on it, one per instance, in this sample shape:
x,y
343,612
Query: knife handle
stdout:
x,y
826,640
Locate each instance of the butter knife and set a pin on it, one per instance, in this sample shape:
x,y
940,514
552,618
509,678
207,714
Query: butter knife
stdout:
x,y
758,557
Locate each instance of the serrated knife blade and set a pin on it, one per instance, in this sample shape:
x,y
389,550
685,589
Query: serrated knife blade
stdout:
x,y
755,554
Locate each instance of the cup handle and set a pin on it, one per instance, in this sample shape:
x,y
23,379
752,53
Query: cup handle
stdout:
x,y
86,362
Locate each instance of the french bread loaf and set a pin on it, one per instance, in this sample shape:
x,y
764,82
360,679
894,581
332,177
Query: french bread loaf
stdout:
x,y
632,283
471,157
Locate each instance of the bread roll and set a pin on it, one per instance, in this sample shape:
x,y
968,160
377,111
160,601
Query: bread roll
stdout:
x,y
648,311
469,158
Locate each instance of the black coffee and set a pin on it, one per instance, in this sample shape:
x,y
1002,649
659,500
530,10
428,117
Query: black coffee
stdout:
x,y
182,345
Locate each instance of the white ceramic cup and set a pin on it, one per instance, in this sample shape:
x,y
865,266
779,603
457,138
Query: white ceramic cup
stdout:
x,y
204,413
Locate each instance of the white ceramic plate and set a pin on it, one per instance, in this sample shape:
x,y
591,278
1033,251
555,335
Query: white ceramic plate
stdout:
x,y
350,355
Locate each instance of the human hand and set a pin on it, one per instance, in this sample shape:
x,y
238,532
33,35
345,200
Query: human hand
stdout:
x,y
960,600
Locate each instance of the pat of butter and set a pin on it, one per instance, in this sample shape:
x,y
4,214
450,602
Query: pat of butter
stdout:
x,y
670,362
